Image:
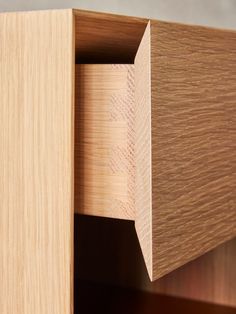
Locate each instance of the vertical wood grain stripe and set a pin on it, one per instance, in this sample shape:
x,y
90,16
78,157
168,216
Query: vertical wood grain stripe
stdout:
x,y
142,152
36,162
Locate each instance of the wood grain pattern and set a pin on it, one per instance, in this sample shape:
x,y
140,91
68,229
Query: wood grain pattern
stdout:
x,y
173,158
210,278
142,151
193,152
193,142
107,38
36,154
184,144
104,140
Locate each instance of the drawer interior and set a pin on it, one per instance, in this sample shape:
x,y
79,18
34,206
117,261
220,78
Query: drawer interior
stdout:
x,y
105,110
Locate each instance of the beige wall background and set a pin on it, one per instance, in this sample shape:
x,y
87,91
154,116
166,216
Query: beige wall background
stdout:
x,y
216,13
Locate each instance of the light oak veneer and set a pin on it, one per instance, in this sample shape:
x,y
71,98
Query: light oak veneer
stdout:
x,y
178,144
104,140
143,149
193,82
36,162
184,143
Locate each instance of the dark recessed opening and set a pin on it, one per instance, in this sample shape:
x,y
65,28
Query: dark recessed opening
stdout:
x,y
101,38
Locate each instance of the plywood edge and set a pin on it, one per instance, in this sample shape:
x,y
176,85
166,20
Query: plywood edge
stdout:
x,y
142,151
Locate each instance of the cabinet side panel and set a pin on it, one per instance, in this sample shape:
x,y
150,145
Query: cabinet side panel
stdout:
x,y
142,155
193,141
36,162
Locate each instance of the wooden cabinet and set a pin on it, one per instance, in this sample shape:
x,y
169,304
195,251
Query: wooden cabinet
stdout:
x,y
117,117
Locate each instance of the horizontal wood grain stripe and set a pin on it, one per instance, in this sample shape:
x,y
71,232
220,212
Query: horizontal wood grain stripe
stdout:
x,y
193,141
